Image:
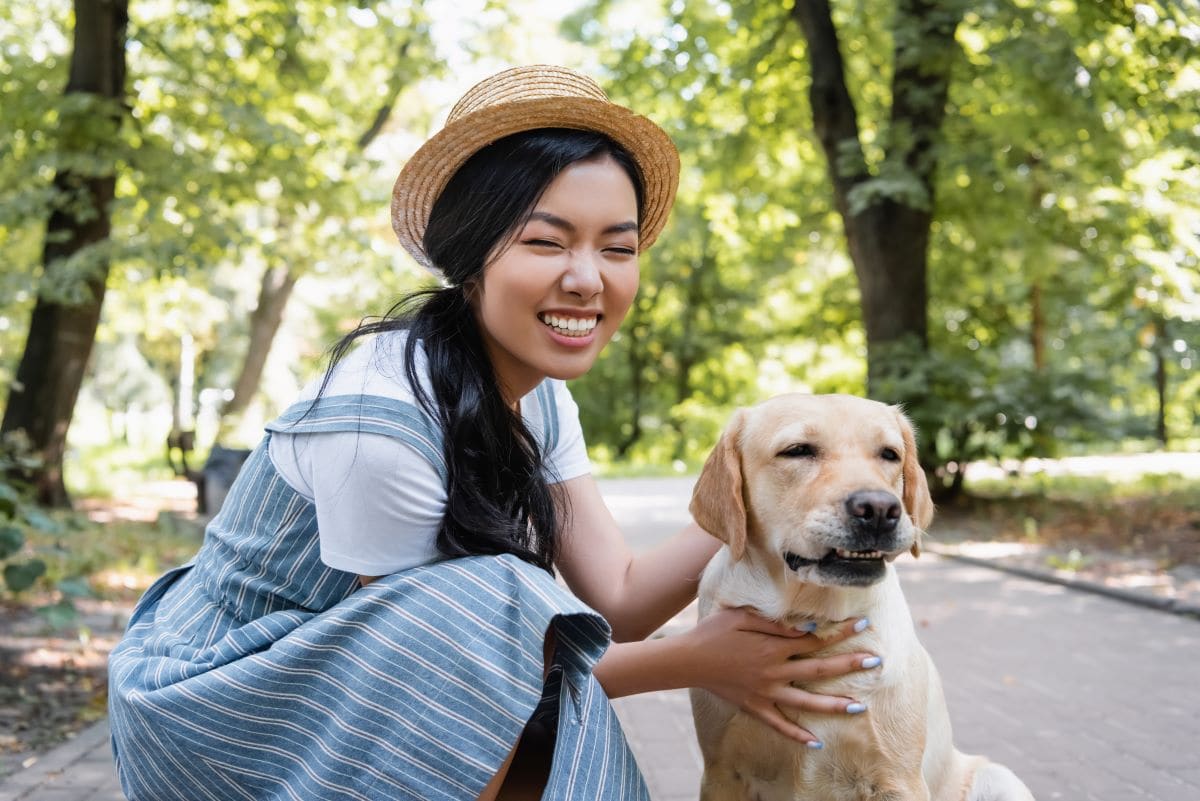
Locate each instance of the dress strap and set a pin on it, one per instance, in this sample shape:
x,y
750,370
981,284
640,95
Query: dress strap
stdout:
x,y
369,414
549,413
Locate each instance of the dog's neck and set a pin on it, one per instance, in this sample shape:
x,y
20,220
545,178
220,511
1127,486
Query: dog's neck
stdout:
x,y
771,589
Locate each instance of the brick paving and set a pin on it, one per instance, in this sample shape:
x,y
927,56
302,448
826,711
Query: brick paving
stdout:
x,y
1086,697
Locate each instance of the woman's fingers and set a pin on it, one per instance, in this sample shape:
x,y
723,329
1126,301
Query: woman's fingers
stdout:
x,y
769,714
809,668
804,701
747,620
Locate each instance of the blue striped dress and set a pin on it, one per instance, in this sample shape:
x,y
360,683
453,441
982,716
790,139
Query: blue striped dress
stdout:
x,y
257,672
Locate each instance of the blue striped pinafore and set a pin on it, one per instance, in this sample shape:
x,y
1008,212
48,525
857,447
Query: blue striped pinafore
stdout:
x,y
256,672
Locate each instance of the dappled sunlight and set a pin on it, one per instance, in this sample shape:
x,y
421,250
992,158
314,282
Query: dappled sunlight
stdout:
x,y
1118,467
992,550
123,579
143,502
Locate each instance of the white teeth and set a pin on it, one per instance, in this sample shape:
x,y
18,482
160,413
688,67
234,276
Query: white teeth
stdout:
x,y
570,326
859,554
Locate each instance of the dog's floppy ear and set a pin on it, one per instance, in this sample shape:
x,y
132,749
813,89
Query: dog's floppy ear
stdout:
x,y
916,489
717,504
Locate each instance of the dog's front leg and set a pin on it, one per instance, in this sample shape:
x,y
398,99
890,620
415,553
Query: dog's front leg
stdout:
x,y
914,789
722,784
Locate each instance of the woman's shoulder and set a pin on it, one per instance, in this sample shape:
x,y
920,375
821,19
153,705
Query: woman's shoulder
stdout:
x,y
375,367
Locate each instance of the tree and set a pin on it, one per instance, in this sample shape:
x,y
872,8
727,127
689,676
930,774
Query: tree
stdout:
x,y
701,321
1032,168
63,326
412,59
228,152
887,212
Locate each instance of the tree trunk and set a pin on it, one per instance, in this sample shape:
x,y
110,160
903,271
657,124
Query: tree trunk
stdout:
x,y
689,351
1037,326
1160,379
887,232
279,281
273,295
636,382
42,398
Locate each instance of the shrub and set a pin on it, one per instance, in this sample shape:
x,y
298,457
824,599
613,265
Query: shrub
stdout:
x,y
20,570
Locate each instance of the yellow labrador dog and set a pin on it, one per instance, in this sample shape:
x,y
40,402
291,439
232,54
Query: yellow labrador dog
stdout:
x,y
815,496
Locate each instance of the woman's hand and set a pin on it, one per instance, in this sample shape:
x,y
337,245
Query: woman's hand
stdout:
x,y
753,662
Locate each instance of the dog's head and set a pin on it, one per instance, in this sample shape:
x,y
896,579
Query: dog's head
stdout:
x,y
828,484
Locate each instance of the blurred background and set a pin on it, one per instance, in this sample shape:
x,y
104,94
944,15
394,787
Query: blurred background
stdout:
x,y
987,211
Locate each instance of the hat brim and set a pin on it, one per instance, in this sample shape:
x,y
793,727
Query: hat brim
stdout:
x,y
426,174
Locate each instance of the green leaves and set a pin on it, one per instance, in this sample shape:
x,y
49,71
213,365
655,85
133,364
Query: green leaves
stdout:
x,y
20,576
11,539
1063,255
20,565
1064,219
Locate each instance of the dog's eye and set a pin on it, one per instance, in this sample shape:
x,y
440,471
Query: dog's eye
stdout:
x,y
889,455
801,451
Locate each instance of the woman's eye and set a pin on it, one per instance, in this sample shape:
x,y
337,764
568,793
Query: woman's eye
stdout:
x,y
622,251
542,243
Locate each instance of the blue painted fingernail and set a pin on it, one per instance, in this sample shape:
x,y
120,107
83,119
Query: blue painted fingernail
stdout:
x,y
855,709
862,625
871,662
808,627
815,745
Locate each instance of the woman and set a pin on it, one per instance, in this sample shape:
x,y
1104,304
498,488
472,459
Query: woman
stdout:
x,y
373,613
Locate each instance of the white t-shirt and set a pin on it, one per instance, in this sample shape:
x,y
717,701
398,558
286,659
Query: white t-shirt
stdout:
x,y
379,500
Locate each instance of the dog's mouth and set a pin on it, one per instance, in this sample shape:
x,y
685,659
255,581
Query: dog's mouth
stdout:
x,y
843,566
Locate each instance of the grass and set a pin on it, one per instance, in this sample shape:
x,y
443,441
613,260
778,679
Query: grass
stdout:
x,y
1089,488
1151,515
106,561
102,471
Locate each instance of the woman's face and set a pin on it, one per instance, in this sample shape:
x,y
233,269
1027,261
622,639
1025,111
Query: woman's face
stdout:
x,y
550,301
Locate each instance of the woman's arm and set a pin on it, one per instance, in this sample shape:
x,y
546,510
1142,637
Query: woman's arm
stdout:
x,y
636,594
753,663
743,658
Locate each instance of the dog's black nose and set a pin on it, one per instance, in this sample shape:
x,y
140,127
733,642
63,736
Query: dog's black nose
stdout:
x,y
874,510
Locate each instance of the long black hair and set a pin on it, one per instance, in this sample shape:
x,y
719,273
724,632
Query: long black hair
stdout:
x,y
498,498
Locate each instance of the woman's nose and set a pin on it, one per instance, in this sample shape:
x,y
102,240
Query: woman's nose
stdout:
x,y
583,277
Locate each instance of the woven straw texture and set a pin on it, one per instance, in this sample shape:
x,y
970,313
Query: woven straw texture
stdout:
x,y
522,99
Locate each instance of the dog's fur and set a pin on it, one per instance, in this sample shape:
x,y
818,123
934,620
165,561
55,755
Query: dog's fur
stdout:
x,y
777,489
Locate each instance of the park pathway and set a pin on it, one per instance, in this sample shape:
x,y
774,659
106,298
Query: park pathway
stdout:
x,y
1087,698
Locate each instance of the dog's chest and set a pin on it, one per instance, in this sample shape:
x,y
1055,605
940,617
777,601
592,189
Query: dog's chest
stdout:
x,y
827,781
863,760
818,776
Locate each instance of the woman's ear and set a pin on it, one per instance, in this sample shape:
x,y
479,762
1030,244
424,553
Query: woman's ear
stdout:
x,y
917,501
472,288
717,504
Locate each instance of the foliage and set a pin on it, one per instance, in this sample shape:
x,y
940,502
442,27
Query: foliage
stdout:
x,y
241,151
967,409
1063,261
18,514
52,559
1063,254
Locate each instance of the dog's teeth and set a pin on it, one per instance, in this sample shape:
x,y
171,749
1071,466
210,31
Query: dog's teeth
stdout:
x,y
859,554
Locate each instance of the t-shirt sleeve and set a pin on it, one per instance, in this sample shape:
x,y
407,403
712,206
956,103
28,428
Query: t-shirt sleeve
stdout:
x,y
379,502
569,458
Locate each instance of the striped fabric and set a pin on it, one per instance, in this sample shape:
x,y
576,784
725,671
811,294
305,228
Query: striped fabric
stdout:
x,y
258,673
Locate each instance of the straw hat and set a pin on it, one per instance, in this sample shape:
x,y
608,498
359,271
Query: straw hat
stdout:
x,y
522,99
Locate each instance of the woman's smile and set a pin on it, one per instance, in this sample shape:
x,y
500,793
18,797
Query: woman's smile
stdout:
x,y
578,330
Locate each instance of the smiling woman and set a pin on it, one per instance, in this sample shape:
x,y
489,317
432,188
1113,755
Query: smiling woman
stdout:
x,y
374,612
